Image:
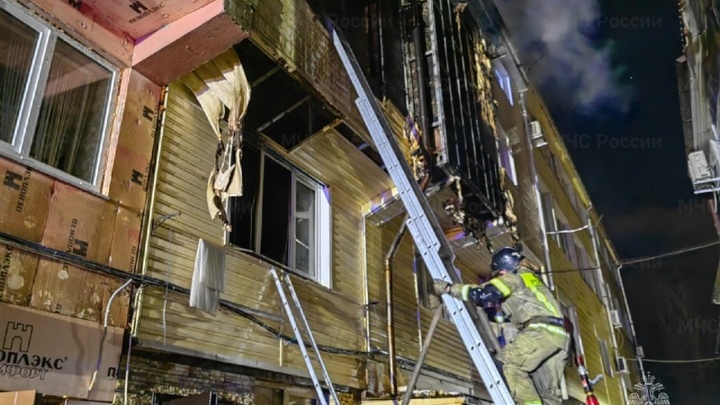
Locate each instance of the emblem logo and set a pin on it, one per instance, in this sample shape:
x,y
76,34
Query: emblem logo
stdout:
x,y
649,393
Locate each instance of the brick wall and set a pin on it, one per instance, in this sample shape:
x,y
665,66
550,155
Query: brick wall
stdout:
x,y
148,376
176,374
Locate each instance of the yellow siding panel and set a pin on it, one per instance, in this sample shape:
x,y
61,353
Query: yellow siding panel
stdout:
x,y
447,351
336,316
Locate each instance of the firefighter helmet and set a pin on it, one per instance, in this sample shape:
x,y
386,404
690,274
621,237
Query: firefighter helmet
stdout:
x,y
505,258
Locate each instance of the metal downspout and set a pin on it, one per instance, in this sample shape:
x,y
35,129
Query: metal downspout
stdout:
x,y
389,298
536,189
150,203
389,306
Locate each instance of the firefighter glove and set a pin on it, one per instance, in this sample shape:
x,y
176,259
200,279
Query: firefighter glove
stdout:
x,y
441,287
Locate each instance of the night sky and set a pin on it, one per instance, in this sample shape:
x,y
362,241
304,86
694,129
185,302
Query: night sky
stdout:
x,y
641,187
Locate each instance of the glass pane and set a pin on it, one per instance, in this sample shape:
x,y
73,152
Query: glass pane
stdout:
x,y
17,44
302,259
304,228
70,124
302,231
305,198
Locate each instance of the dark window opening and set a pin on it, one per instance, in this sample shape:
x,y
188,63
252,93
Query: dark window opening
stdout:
x,y
275,211
281,108
243,209
277,216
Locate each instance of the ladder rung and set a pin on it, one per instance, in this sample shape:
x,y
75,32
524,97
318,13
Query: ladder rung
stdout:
x,y
422,224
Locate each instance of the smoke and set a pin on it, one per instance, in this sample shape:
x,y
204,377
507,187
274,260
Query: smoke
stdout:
x,y
555,39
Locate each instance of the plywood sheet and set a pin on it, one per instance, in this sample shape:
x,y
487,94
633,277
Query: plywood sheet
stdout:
x,y
135,141
17,275
136,18
79,293
24,200
80,223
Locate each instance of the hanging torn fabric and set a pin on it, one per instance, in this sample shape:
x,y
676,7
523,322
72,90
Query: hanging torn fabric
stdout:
x,y
221,85
208,279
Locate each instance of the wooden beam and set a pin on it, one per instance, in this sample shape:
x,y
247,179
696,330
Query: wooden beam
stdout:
x,y
187,43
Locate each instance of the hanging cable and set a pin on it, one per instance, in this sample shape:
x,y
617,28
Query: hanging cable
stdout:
x,y
630,262
670,254
145,281
711,359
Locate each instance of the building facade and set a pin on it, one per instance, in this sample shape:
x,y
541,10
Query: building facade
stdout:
x,y
698,78
159,159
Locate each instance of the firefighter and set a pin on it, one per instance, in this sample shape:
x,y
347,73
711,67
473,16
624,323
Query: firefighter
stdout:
x,y
542,343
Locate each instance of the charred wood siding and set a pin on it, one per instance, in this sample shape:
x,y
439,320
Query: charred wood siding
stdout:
x,y
461,120
391,30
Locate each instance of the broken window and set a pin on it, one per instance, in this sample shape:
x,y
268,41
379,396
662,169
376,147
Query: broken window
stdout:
x,y
283,215
55,98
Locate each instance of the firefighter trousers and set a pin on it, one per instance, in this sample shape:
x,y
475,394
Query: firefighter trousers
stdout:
x,y
541,350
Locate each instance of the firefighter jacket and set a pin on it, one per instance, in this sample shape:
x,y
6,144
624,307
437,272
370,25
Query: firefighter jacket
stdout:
x,y
526,298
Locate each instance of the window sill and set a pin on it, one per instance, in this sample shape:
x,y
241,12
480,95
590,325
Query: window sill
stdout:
x,y
7,152
272,263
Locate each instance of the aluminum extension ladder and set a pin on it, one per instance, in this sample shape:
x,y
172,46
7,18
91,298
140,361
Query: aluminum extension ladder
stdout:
x,y
421,222
298,336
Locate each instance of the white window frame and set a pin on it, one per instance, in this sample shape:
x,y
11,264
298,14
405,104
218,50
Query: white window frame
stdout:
x,y
503,78
506,153
321,259
22,137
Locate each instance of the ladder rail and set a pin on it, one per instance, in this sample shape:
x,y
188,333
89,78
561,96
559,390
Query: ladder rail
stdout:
x,y
421,222
298,336
318,357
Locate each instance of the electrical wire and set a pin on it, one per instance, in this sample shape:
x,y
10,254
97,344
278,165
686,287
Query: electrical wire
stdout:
x,y
144,281
631,262
711,359
670,254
